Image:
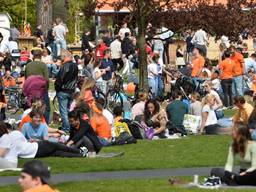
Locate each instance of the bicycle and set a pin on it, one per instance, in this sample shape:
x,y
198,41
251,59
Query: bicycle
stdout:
x,y
15,99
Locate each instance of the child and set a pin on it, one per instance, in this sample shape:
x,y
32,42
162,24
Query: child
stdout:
x,y
119,125
196,105
108,66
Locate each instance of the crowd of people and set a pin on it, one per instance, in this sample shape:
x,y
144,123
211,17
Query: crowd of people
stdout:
x,y
190,87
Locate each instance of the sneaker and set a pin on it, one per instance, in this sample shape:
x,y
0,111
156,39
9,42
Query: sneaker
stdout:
x,y
83,151
91,154
212,181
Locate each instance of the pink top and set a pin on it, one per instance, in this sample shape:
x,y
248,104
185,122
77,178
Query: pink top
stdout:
x,y
138,109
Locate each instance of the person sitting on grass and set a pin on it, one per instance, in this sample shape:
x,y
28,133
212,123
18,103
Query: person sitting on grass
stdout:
x,y
138,108
195,107
176,111
35,130
209,120
242,149
82,134
244,110
154,118
101,125
34,177
86,91
120,125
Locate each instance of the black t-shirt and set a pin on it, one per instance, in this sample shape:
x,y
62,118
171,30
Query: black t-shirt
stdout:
x,y
50,37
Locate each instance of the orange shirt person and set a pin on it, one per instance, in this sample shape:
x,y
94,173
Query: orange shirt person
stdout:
x,y
227,67
100,125
9,81
197,63
238,59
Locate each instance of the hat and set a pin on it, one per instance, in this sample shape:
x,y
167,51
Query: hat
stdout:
x,y
37,168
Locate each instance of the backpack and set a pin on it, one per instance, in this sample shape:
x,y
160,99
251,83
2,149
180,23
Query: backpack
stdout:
x,y
136,129
124,138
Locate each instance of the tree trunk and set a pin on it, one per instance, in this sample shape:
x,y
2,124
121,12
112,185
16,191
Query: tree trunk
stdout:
x,y
44,14
142,23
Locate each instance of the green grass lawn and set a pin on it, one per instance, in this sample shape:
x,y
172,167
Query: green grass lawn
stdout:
x,y
193,151
138,185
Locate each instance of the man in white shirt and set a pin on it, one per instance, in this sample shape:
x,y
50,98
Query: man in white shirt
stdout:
x,y
116,53
124,30
200,41
60,32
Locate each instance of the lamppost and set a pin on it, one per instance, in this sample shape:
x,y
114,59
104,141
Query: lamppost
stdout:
x,y
78,15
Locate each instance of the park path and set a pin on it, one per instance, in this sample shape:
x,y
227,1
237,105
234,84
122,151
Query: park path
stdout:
x,y
114,175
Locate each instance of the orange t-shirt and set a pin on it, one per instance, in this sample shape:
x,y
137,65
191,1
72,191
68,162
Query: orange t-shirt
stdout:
x,y
238,58
27,119
253,87
198,64
101,126
9,82
43,188
227,69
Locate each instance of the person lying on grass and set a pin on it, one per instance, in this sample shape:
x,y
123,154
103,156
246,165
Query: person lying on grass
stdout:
x,y
37,104
242,149
13,144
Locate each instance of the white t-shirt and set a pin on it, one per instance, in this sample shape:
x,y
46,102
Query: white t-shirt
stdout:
x,y
122,32
26,112
47,59
152,70
97,70
108,116
23,148
216,84
211,119
6,143
60,32
116,51
200,38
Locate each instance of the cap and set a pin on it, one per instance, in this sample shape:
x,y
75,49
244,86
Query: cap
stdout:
x,y
37,168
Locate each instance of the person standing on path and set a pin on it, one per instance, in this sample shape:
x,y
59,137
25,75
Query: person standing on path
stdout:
x,y
65,85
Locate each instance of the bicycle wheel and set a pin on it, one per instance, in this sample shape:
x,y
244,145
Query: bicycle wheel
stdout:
x,y
114,99
55,104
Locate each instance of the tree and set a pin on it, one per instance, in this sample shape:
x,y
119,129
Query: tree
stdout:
x,y
178,15
44,14
16,9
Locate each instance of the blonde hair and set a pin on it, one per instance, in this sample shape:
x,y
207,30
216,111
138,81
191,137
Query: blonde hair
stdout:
x,y
207,99
89,83
143,96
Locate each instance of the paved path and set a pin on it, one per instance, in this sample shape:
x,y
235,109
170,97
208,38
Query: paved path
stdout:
x,y
138,174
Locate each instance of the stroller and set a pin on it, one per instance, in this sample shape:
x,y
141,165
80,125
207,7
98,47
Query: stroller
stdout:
x,y
187,86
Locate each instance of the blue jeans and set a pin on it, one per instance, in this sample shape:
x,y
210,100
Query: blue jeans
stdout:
x,y
60,44
64,100
237,87
152,83
160,85
54,49
52,70
48,108
104,142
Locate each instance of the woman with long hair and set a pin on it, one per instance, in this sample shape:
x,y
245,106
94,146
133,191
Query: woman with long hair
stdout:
x,y
242,149
155,118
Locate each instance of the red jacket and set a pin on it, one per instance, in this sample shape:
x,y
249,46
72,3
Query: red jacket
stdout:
x,y
100,51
